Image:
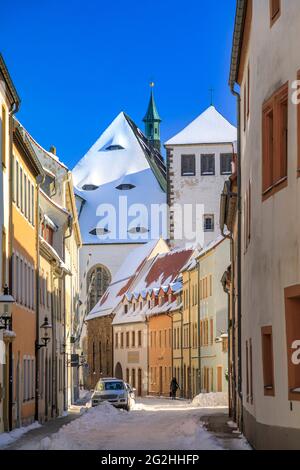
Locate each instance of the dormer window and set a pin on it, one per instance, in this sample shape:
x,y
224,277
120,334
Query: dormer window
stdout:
x,y
114,147
89,187
125,187
125,309
99,231
138,230
141,305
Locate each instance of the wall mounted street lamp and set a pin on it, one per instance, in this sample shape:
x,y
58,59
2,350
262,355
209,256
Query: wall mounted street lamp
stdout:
x,y
45,338
6,303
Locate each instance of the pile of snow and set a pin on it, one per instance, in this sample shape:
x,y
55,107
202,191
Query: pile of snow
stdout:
x,y
211,400
85,433
8,438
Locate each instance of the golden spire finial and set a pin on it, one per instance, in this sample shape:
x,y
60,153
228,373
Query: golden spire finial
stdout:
x,y
152,84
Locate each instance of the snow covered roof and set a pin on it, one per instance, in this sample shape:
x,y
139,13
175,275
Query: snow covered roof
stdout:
x,y
122,281
209,127
163,271
211,245
120,163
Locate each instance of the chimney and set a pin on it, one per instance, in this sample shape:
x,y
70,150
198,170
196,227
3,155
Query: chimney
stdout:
x,y
52,149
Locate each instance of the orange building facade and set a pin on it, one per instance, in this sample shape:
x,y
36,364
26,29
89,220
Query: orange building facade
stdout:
x,y
24,258
160,342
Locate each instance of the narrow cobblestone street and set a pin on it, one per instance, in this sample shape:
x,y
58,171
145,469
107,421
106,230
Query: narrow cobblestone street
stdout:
x,y
170,424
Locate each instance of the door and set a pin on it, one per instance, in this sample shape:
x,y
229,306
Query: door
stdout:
x,y
160,381
219,379
140,382
18,397
46,387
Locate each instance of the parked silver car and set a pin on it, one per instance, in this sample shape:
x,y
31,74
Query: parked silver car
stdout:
x,y
115,391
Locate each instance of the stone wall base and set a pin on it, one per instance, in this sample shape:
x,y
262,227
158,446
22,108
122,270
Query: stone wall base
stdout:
x,y
265,437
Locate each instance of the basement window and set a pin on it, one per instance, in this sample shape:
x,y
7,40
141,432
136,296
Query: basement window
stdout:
x,y
268,361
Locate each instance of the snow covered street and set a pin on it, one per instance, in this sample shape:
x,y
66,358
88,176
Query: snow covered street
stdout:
x,y
154,424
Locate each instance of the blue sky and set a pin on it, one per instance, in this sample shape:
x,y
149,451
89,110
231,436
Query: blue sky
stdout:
x,y
77,64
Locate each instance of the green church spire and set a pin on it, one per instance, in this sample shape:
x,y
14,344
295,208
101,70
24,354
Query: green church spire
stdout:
x,y
152,122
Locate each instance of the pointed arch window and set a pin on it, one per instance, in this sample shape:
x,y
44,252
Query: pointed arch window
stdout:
x,y
98,280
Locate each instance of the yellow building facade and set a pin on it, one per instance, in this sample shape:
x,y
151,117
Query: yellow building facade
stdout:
x,y
26,178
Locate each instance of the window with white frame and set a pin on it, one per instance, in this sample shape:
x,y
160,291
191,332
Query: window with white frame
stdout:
x,y
207,164
209,224
188,165
225,163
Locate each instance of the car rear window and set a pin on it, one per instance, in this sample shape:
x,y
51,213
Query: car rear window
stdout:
x,y
101,386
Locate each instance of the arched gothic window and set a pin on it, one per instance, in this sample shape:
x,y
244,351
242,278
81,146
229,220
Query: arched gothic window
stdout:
x,y
98,280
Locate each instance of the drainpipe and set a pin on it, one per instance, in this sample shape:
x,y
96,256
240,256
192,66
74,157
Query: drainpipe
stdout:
x,y
199,378
239,244
65,373
181,347
190,341
13,110
37,299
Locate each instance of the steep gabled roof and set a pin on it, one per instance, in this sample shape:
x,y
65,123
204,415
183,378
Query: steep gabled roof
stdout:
x,y
120,163
209,127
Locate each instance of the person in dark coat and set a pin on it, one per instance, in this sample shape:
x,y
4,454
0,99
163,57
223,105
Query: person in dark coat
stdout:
x,y
173,388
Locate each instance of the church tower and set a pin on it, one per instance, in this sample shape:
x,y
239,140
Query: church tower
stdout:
x,y
152,122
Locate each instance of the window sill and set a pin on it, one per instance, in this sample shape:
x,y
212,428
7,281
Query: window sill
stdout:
x,y
269,391
275,188
294,394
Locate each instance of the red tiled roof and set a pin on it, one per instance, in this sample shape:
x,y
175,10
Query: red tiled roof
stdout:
x,y
167,267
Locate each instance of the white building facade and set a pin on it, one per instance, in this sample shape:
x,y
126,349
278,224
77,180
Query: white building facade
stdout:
x,y
266,64
198,162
